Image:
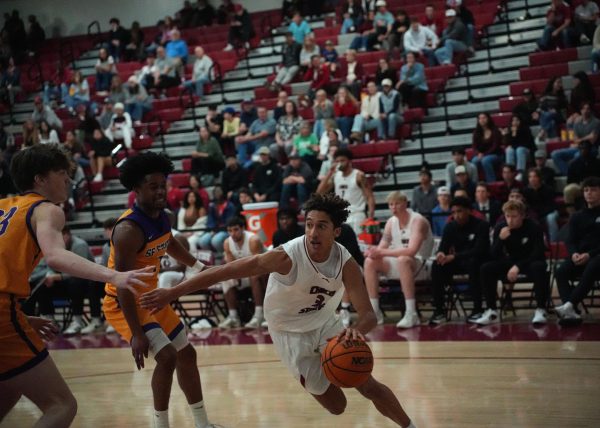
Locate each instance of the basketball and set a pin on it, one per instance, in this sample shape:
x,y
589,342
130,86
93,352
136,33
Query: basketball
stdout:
x,y
347,364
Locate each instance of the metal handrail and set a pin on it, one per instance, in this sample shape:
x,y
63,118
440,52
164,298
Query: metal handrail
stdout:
x,y
217,72
191,104
94,37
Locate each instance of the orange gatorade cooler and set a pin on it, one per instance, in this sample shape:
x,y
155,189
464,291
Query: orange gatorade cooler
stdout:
x,y
261,218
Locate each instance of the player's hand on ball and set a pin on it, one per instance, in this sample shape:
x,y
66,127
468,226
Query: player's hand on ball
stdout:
x,y
156,299
45,328
350,334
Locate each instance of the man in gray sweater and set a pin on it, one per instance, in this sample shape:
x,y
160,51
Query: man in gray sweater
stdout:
x,y
290,63
454,38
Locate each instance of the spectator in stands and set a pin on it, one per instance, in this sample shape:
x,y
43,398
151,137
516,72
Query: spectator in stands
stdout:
x,y
225,11
517,249
147,72
134,49
464,247
352,73
44,112
331,137
464,182
406,244
540,200
385,71
186,14
413,84
424,196
508,183
582,92
231,129
105,69
345,107
241,28
47,135
323,111
353,15
208,158
220,211
519,145
137,102
306,145
117,38
35,35
290,63
288,127
585,128
287,227
192,215
100,154
330,56
177,51
527,110
558,26
248,113
298,181
214,121
365,30
266,184
432,20
244,196
78,92
7,186
390,115
116,92
205,14
351,184
455,38
402,24
369,118
10,81
165,75
299,27
583,263
318,75
201,73
260,134
583,166
552,109
74,147
421,41
16,34
548,173
175,196
234,177
121,126
489,208
328,159
31,133
487,141
459,158
467,19
195,184
596,50
106,114
383,24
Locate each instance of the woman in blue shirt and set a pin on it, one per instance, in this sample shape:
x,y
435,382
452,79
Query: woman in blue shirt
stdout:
x,y
413,84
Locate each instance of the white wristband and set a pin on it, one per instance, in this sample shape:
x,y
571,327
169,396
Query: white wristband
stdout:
x,y
198,266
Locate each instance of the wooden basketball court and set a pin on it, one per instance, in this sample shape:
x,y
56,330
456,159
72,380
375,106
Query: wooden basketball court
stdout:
x,y
550,379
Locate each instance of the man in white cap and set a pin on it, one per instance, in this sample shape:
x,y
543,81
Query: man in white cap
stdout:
x,y
121,127
390,115
382,24
441,212
137,101
454,38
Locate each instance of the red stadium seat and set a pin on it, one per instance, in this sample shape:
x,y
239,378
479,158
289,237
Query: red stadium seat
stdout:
x,y
186,164
180,180
502,120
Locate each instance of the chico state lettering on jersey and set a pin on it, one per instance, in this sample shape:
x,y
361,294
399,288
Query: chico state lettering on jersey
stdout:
x,y
158,249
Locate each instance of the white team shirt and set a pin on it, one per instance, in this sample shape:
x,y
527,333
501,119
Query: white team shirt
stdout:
x,y
347,188
305,298
401,237
244,250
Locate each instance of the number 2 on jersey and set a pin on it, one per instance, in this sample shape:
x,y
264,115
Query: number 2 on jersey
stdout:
x,y
5,219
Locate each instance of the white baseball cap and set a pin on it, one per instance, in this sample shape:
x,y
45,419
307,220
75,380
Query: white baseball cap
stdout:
x,y
386,82
450,12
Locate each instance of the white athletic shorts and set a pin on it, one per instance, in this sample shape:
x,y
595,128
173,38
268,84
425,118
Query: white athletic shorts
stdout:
x,y
423,269
158,339
301,353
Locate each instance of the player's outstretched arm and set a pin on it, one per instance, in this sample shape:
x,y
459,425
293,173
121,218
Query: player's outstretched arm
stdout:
x,y
357,291
47,222
263,264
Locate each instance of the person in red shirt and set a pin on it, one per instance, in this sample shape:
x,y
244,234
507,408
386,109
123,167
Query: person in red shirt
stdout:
x,y
174,196
433,20
558,27
345,107
317,74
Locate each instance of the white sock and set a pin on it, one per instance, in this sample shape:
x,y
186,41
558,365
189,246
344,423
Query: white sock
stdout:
x,y
199,413
78,319
375,304
96,320
258,311
161,418
411,306
233,313
345,305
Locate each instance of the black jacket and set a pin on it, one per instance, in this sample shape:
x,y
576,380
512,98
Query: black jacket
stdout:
x,y
584,232
524,245
267,180
467,242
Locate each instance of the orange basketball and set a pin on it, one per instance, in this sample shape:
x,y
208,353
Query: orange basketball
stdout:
x,y
347,364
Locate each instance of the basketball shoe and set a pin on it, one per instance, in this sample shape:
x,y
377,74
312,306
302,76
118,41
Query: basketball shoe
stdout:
x,y
95,326
230,322
255,322
490,316
409,320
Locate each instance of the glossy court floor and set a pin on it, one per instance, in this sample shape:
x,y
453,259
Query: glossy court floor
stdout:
x,y
509,375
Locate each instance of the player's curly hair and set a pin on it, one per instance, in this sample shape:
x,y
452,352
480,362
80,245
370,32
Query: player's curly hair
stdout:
x,y
133,171
330,203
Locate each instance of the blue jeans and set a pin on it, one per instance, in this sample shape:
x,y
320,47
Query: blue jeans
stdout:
x,y
50,93
391,123
549,122
245,152
562,157
470,35
521,154
595,60
345,125
359,42
444,54
552,224
288,190
70,101
430,55
319,128
197,85
488,164
103,81
362,125
213,240
136,110
546,39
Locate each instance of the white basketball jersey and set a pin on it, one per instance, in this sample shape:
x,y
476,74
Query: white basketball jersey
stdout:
x,y
244,249
401,237
305,298
348,189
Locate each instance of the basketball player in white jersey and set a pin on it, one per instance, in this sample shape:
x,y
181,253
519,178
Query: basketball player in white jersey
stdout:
x,y
406,245
307,278
349,184
242,243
